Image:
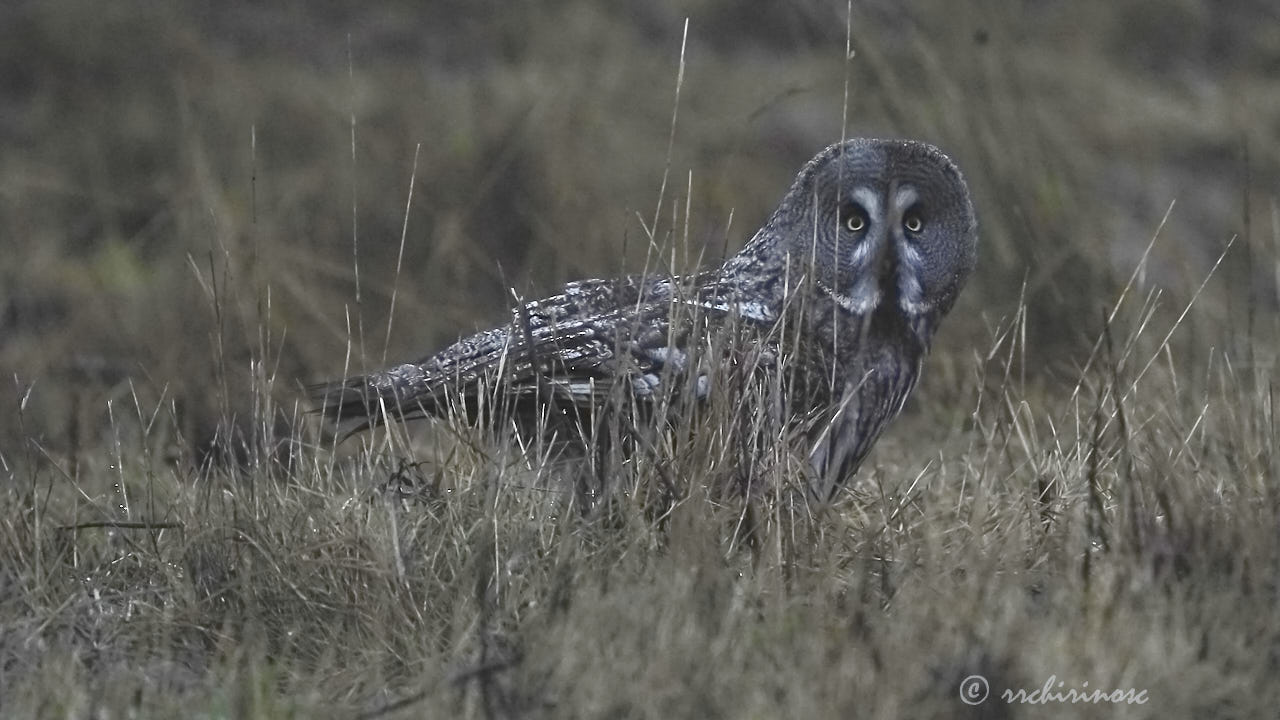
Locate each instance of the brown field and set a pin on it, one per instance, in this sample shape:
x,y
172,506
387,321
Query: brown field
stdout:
x,y
203,210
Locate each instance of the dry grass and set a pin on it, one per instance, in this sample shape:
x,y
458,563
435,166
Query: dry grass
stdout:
x,y
1124,537
1084,485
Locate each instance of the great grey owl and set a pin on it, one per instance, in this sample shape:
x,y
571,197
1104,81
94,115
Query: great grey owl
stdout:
x,y
841,291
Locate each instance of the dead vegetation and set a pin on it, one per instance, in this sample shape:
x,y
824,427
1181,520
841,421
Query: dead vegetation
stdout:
x,y
1084,486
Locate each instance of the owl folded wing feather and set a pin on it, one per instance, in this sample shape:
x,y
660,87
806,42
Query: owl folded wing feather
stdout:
x,y
570,348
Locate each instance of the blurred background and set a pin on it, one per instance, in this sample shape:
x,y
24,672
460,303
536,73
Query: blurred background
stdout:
x,y
187,193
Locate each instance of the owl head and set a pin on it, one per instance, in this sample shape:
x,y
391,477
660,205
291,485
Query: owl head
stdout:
x,y
880,225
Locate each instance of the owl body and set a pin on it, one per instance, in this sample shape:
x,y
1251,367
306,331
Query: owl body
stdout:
x,y
842,289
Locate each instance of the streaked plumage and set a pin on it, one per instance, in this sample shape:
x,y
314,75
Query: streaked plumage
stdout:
x,y
847,281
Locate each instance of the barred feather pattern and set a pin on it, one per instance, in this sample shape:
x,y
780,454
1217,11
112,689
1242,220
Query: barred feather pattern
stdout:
x,y
571,348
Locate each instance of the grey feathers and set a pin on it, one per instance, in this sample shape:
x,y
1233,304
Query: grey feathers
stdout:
x,y
860,261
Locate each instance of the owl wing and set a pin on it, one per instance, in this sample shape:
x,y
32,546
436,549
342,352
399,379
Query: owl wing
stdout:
x,y
577,348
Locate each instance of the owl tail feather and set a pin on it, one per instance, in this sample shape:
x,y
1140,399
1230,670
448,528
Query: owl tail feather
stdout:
x,y
363,402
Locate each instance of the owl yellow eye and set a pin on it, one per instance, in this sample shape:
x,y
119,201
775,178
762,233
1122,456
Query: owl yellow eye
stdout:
x,y
855,222
912,223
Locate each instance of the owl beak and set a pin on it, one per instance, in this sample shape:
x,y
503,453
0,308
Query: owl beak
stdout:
x,y
868,289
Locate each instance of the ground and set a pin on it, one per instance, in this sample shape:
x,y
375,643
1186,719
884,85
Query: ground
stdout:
x,y
202,210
